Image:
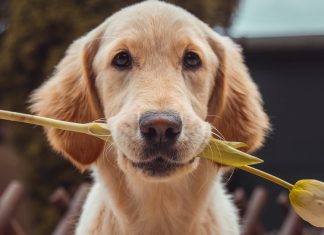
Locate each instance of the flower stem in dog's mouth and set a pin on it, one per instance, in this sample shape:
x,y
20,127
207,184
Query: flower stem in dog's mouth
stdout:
x,y
99,130
306,196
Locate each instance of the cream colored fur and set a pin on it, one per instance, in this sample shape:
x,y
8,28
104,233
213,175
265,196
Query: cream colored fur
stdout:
x,y
220,94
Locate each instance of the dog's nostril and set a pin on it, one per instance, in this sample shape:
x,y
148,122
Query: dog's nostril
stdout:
x,y
151,133
160,127
172,132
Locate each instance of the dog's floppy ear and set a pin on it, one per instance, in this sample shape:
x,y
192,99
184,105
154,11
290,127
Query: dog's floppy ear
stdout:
x,y
235,106
70,95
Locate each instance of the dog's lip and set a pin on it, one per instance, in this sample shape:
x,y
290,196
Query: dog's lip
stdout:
x,y
160,160
159,165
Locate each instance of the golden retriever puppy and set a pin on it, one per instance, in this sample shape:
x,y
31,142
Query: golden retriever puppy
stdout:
x,y
164,81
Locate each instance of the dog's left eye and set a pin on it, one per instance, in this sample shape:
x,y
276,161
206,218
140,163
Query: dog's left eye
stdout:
x,y
191,60
122,60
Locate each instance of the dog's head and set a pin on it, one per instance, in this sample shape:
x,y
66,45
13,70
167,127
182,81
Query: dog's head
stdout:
x,y
163,80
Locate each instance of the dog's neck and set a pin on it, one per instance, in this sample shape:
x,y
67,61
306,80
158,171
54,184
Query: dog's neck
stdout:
x,y
172,206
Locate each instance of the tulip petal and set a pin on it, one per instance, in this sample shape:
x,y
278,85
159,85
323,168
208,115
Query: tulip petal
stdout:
x,y
235,145
225,153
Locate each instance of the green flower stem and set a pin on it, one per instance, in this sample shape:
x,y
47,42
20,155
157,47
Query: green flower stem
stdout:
x,y
267,176
43,121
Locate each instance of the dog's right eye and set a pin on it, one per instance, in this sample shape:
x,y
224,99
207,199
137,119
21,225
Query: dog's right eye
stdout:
x,y
122,60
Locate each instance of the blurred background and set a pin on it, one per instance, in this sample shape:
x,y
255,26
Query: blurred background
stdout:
x,y
283,45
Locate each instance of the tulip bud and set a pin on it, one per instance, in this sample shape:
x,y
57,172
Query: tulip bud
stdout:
x,y
307,199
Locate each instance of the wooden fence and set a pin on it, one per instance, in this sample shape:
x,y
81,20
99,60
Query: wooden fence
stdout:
x,y
70,209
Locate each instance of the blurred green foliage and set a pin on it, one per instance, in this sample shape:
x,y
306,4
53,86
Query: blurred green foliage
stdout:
x,y
37,35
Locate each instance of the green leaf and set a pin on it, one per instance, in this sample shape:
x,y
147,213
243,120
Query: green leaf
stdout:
x,y
226,153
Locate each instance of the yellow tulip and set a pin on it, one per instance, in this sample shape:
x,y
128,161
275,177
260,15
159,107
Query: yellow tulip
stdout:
x,y
307,199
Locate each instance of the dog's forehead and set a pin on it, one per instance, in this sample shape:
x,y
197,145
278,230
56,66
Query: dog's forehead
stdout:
x,y
153,21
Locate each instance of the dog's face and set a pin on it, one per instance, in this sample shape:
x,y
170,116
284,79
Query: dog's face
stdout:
x,y
155,72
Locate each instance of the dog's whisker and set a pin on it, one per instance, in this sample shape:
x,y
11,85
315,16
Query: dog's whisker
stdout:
x,y
219,133
105,155
108,145
101,120
230,176
214,115
105,150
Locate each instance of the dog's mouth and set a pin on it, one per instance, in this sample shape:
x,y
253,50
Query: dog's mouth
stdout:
x,y
160,166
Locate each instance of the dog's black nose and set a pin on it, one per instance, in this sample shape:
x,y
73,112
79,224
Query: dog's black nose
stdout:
x,y
160,127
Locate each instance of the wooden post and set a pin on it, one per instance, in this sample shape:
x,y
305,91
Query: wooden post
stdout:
x,y
66,225
283,201
15,228
239,197
254,208
9,202
60,199
292,224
